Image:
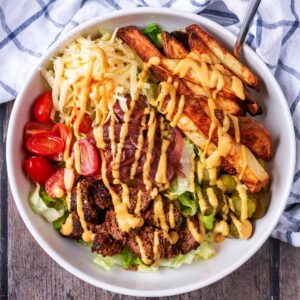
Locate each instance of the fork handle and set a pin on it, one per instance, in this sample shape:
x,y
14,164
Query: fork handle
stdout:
x,y
252,8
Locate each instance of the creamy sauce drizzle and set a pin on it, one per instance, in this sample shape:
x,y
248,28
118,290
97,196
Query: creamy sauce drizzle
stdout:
x,y
202,205
235,122
212,198
137,210
208,76
171,216
144,257
221,227
244,199
160,219
245,161
244,227
125,220
198,236
150,136
87,235
212,176
138,151
237,87
67,227
161,174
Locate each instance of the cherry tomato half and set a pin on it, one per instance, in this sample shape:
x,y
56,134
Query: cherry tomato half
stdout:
x,y
62,131
45,144
32,128
55,185
86,123
43,107
90,137
89,159
39,169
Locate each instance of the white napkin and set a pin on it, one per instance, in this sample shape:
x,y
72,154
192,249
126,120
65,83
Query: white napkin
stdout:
x,y
29,27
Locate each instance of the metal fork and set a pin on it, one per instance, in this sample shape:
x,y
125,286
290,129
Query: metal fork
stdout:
x,y
252,8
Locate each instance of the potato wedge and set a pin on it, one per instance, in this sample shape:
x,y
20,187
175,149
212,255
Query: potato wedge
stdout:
x,y
173,48
252,134
182,37
226,105
197,46
132,36
244,73
145,49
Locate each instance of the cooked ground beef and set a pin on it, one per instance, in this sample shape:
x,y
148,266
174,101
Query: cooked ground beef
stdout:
x,y
92,214
112,227
146,235
148,215
133,197
105,244
186,239
100,195
76,229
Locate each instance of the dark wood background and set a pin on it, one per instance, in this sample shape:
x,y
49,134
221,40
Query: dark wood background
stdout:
x,y
28,273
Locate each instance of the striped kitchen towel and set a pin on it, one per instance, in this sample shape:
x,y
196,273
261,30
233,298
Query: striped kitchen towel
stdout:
x,y
29,27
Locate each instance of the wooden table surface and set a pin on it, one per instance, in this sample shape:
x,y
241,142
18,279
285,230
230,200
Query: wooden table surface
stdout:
x,y
27,272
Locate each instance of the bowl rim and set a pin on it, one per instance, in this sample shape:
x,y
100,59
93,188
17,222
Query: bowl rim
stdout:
x,y
49,249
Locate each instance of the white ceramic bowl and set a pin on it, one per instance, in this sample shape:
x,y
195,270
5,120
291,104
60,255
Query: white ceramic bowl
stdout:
x,y
232,253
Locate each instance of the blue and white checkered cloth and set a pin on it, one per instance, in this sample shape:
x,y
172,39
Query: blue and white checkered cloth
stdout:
x,y
29,27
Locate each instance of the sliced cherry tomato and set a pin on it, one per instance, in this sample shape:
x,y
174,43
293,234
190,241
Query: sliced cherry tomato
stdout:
x,y
43,107
45,144
89,159
62,131
86,123
90,137
39,169
55,185
97,175
32,128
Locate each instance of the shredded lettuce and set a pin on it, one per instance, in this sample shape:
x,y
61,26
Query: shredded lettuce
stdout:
x,y
106,262
188,204
182,184
39,206
153,32
57,224
127,258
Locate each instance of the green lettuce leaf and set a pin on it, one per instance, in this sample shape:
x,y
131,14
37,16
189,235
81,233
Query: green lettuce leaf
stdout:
x,y
58,223
40,207
182,184
188,204
127,259
153,32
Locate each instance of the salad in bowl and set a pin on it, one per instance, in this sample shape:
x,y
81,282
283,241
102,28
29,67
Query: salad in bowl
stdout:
x,y
145,148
